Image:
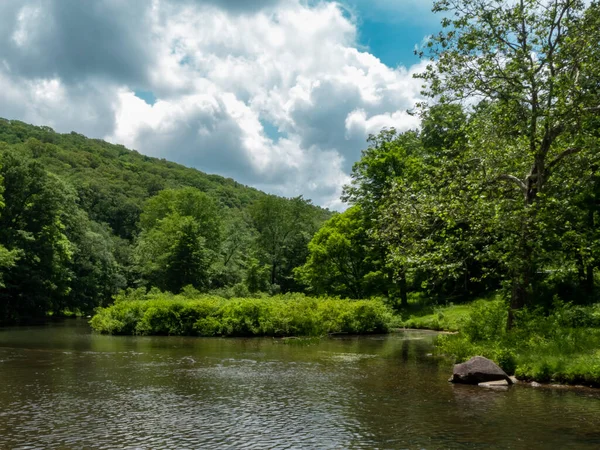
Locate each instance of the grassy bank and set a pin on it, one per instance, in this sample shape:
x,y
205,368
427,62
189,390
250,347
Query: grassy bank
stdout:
x,y
560,346
440,318
283,315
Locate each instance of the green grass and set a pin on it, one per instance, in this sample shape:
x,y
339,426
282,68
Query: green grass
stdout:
x,y
562,345
440,318
283,315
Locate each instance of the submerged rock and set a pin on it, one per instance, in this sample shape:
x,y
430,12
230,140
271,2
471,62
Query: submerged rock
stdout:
x,y
478,370
494,384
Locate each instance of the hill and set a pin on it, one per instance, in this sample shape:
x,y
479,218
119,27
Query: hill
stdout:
x,y
81,219
112,181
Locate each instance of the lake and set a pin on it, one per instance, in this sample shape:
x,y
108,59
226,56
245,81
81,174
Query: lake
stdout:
x,y
62,386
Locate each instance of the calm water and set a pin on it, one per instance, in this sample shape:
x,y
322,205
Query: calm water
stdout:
x,y
63,387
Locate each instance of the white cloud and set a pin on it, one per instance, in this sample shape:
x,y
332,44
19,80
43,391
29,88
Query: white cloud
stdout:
x,y
278,97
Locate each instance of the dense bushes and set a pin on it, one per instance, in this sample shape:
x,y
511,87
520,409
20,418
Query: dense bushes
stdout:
x,y
563,345
284,315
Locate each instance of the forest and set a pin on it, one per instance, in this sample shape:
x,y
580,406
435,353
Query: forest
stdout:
x,y
497,194
82,219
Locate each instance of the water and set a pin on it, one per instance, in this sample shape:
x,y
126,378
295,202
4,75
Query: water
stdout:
x,y
63,387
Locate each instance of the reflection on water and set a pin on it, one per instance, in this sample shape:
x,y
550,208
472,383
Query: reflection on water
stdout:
x,y
63,387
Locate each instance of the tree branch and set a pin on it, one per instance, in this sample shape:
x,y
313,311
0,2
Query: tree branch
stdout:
x,y
561,156
514,179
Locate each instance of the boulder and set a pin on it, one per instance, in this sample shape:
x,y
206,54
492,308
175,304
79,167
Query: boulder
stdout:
x,y
478,370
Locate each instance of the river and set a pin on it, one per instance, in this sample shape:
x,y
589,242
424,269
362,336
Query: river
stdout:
x,y
62,386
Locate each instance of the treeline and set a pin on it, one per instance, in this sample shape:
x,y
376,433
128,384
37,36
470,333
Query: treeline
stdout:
x,y
81,219
500,188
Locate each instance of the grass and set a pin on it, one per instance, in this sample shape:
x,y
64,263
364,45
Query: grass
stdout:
x,y
283,315
440,318
562,345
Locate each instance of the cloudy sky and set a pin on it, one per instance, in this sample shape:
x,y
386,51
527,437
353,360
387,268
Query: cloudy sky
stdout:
x,y
277,94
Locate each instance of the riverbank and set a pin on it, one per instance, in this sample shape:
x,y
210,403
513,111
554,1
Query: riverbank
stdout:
x,y
560,346
282,315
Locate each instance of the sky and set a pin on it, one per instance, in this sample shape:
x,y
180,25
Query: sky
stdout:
x,y
277,94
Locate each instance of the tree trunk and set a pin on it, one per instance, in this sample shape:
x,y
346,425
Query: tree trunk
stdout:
x,y
273,272
524,268
589,280
403,289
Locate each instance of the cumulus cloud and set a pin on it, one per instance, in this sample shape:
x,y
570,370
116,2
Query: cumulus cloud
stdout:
x,y
276,94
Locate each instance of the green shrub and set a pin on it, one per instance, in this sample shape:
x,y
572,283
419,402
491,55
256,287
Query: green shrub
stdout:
x,y
282,315
486,321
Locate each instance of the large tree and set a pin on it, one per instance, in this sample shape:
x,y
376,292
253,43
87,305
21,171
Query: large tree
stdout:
x,y
339,261
180,239
534,66
284,227
33,227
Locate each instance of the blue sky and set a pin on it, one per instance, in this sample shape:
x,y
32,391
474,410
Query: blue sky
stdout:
x,y
277,94
390,29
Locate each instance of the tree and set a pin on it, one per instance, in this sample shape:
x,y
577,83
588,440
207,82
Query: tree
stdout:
x,y
527,62
236,249
180,239
433,220
186,202
174,254
96,274
7,258
32,226
390,155
281,225
339,261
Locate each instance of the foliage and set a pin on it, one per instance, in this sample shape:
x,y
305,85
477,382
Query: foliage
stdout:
x,y
284,315
523,63
179,241
81,219
284,228
7,258
32,225
559,345
339,262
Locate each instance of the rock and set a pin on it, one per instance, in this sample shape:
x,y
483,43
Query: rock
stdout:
x,y
535,384
478,370
494,384
514,380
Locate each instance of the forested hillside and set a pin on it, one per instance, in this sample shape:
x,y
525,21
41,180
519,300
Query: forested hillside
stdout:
x,y
76,226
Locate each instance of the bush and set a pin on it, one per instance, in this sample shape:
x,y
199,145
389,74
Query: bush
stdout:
x,y
282,315
486,321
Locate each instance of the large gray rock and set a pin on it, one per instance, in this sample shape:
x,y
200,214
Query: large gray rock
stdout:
x,y
478,370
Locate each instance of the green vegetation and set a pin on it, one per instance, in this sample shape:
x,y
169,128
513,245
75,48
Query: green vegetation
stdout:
x,y
499,189
81,219
440,318
281,315
562,346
